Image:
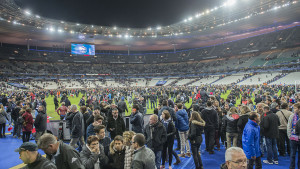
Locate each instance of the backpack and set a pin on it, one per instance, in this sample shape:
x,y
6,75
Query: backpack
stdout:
x,y
21,120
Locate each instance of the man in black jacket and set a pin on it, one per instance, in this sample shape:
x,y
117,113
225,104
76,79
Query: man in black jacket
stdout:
x,y
123,107
40,123
210,116
30,156
155,135
270,130
63,155
115,125
15,115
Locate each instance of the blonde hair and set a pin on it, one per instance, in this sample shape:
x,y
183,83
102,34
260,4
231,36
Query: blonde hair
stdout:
x,y
245,110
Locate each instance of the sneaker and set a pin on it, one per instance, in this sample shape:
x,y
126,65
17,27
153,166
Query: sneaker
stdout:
x,y
181,155
188,154
275,162
267,162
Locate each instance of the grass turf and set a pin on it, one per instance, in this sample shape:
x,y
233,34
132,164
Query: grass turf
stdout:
x,y
75,100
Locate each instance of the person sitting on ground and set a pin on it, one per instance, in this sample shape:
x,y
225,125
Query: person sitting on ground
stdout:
x,y
34,160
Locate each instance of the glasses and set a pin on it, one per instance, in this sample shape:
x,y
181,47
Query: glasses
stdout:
x,y
240,162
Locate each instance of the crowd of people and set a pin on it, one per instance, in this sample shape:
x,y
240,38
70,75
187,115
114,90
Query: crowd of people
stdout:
x,y
248,129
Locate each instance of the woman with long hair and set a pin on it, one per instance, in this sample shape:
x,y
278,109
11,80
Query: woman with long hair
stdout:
x,y
3,118
195,136
27,125
168,145
241,123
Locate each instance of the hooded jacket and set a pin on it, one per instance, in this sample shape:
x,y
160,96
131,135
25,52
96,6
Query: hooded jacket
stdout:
x,y
211,118
40,122
182,122
251,139
230,123
195,132
116,158
242,121
270,125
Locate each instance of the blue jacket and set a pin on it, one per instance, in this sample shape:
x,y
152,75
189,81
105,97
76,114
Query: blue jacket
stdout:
x,y
251,138
182,122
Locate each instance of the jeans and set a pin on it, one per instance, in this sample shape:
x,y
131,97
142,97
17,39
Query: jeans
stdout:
x,y
263,145
17,129
283,138
209,138
168,145
74,141
196,155
184,142
234,141
152,104
26,136
271,149
295,146
157,158
38,135
217,139
2,129
257,162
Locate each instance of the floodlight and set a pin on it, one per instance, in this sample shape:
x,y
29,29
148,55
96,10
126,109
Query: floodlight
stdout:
x,y
158,28
115,28
230,2
190,18
27,12
149,29
126,36
14,22
185,20
60,30
207,11
37,16
77,24
51,29
72,32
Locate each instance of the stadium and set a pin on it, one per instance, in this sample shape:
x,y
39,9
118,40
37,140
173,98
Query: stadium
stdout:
x,y
237,53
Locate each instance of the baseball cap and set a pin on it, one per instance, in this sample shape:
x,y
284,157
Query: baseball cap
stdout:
x,y
27,146
274,97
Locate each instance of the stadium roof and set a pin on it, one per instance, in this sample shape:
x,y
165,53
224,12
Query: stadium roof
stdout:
x,y
18,26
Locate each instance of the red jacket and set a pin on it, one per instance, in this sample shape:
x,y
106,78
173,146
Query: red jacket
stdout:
x,y
28,122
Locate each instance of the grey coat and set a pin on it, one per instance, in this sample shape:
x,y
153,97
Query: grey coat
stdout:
x,y
89,159
3,117
143,158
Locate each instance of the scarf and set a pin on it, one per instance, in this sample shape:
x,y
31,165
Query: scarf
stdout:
x,y
294,121
166,123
